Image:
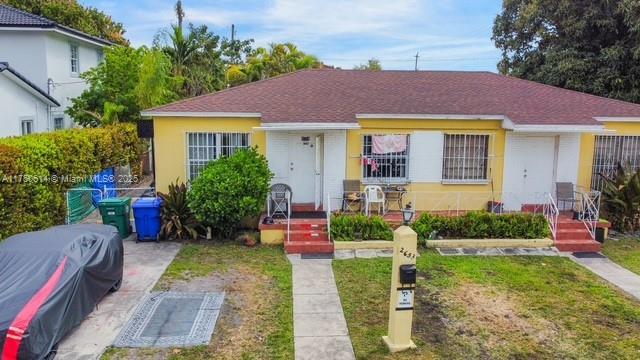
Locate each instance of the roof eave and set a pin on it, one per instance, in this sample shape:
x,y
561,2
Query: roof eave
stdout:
x,y
218,114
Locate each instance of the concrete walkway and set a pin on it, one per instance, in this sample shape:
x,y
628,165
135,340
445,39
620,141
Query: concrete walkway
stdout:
x,y
624,279
319,327
144,263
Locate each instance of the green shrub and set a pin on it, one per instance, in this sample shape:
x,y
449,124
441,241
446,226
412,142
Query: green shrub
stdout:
x,y
359,227
178,221
230,189
482,225
27,204
621,199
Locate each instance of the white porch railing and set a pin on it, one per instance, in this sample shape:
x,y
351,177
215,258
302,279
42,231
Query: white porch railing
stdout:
x,y
589,211
328,216
551,213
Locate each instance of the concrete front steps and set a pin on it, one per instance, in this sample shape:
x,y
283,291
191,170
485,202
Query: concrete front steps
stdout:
x,y
573,236
308,236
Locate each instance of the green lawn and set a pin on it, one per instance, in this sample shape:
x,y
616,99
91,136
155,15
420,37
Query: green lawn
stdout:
x,y
493,308
624,252
256,321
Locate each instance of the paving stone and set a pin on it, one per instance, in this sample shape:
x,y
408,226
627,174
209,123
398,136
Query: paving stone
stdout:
x,y
470,251
324,347
489,252
384,253
316,303
320,324
449,251
344,254
509,251
366,253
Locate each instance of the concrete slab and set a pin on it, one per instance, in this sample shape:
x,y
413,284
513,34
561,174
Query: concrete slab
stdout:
x,y
317,303
144,263
319,327
344,254
384,253
324,347
615,274
366,253
319,324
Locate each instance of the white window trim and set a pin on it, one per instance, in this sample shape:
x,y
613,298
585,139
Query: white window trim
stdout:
x,y
71,46
489,157
218,146
58,116
25,119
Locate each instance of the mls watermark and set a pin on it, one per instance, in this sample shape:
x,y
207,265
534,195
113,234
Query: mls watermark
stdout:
x,y
68,179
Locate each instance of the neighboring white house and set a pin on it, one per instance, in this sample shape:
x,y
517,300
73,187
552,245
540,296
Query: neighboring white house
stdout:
x,y
50,57
26,107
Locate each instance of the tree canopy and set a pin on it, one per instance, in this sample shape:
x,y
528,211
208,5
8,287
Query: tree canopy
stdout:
x,y
184,61
589,46
372,64
127,81
74,15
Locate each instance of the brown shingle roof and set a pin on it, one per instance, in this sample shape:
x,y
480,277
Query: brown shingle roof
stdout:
x,y
325,95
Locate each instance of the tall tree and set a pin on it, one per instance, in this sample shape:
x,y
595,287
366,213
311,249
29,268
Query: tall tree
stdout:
x,y
590,46
278,59
127,81
196,56
70,13
372,64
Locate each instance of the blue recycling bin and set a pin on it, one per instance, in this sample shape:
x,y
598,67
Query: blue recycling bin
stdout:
x,y
146,213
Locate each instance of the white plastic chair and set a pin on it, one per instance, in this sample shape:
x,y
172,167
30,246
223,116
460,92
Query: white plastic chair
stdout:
x,y
373,194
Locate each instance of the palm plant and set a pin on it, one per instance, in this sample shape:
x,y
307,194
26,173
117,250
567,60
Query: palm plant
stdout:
x,y
621,198
178,221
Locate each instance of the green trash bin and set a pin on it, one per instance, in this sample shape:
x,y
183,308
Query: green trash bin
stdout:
x,y
116,211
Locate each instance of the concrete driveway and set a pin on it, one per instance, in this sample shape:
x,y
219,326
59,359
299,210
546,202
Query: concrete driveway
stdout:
x,y
144,263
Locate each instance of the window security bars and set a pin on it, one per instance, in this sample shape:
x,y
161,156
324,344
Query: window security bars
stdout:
x,y
609,150
384,168
465,157
205,147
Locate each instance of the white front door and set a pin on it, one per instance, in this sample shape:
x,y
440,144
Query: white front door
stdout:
x,y
528,169
302,167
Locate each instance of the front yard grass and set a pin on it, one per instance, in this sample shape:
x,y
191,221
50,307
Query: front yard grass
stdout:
x,y
256,321
625,252
493,308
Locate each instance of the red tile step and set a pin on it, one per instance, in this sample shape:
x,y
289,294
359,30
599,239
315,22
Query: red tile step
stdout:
x,y
578,245
308,247
308,235
570,224
309,224
304,207
573,234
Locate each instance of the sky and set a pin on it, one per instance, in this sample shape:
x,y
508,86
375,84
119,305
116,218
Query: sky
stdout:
x,y
447,34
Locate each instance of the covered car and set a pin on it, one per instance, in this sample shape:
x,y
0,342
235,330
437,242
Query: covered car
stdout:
x,y
50,281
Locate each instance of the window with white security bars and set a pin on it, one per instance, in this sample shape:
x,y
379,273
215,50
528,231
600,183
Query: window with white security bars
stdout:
x,y
465,158
611,150
385,159
205,147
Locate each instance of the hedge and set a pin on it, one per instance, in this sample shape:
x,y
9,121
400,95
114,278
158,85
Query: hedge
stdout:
x,y
482,225
473,225
359,227
37,169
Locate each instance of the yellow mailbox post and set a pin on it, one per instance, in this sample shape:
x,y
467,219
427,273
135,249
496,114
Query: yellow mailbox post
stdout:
x,y
403,284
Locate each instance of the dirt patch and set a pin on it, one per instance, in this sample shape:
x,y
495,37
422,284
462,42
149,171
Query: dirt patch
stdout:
x,y
499,314
474,321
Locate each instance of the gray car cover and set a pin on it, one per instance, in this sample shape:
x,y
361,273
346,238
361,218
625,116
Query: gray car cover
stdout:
x,y
50,281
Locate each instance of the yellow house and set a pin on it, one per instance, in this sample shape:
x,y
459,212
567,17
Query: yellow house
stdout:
x,y
452,140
